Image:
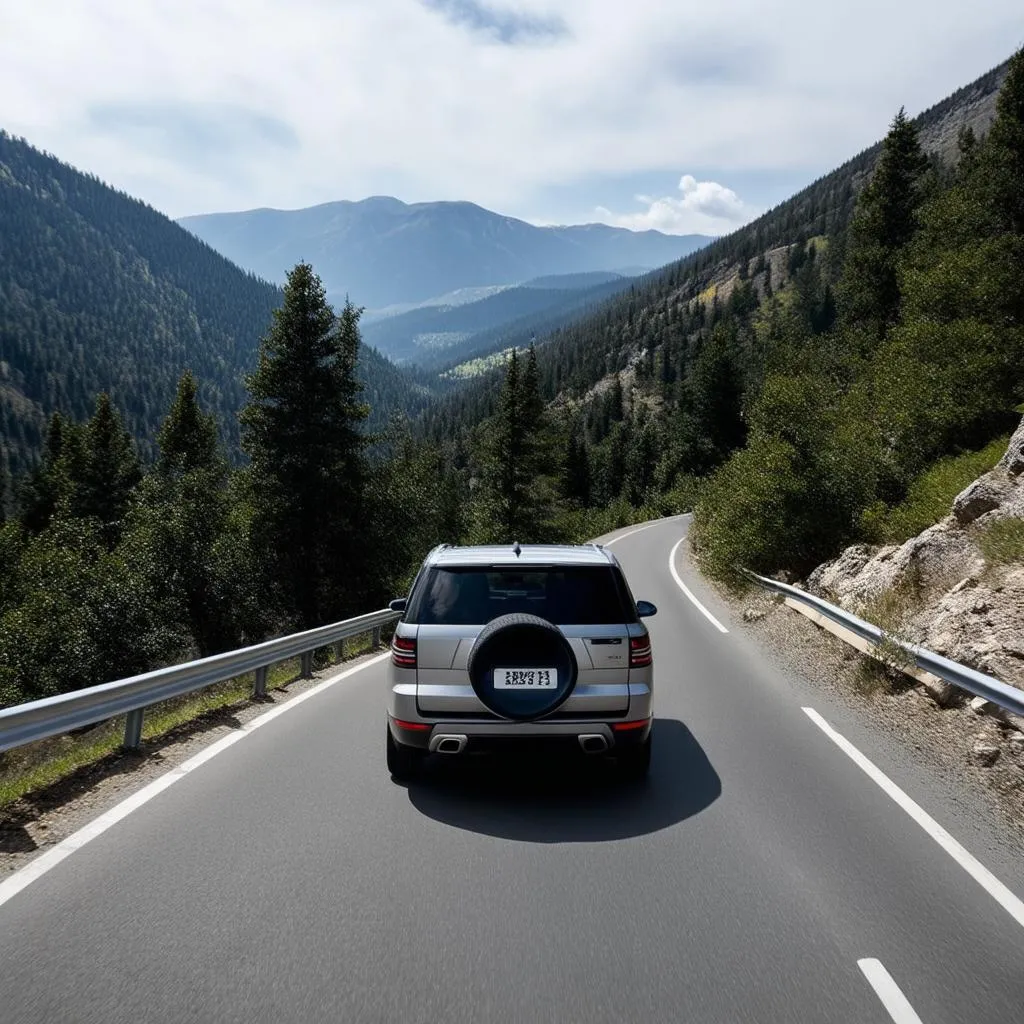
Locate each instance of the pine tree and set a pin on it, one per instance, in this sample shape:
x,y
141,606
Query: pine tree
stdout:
x,y
967,148
48,483
110,471
715,400
188,436
612,476
952,370
5,485
576,480
616,409
641,460
533,403
883,225
205,562
301,429
1005,151
516,485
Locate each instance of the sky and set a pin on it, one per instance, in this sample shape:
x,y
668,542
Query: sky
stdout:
x,y
665,114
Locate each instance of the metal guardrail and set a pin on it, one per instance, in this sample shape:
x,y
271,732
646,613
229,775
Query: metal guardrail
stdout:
x,y
52,716
969,679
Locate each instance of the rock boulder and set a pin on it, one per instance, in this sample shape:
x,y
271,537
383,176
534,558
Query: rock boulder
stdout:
x,y
1013,460
984,495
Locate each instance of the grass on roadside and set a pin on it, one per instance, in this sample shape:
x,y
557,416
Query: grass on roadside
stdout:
x,y
890,610
27,770
1002,542
930,496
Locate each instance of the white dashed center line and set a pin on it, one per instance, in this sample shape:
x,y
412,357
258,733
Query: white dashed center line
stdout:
x,y
895,1002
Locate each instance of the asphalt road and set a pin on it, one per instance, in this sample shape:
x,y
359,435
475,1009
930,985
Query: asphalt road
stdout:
x,y
288,879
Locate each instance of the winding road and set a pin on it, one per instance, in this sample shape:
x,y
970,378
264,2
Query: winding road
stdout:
x,y
780,865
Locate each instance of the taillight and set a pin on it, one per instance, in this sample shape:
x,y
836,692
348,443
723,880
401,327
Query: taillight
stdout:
x,y
403,651
411,726
640,723
639,651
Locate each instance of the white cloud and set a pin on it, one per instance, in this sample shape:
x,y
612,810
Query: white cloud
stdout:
x,y
414,98
703,208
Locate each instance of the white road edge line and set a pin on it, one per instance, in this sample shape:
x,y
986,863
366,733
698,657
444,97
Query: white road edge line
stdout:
x,y
646,526
894,1001
981,874
38,867
689,593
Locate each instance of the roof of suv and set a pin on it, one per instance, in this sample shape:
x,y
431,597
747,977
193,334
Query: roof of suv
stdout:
x,y
528,554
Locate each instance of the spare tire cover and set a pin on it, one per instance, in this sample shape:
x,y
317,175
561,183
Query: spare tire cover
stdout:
x,y
521,641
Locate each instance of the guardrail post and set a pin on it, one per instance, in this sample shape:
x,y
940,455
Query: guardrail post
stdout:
x,y
340,650
307,665
259,690
376,637
133,730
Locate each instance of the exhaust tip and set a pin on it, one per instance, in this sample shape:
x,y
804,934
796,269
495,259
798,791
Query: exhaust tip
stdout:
x,y
593,743
448,744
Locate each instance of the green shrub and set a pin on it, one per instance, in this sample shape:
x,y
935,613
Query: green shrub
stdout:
x,y
682,498
791,497
930,495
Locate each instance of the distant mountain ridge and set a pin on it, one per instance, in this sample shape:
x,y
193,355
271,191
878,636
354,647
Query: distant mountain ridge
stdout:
x,y
581,355
436,335
381,251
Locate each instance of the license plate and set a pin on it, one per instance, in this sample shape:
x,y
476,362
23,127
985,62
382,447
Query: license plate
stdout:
x,y
525,679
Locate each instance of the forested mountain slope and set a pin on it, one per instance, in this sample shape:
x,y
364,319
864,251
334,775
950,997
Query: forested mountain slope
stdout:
x,y
648,318
381,251
98,291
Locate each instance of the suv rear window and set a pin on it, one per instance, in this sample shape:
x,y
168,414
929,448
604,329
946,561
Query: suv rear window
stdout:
x,y
564,595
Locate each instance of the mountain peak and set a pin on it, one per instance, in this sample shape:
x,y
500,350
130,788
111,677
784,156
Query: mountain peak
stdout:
x,y
384,252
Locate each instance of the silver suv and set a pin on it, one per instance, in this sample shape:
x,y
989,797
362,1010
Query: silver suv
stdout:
x,y
535,645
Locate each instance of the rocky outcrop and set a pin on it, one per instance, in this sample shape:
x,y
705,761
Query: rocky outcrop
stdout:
x,y
984,495
1013,460
979,622
958,605
940,555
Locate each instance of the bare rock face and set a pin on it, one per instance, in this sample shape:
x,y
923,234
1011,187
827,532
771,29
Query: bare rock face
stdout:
x,y
1013,460
828,577
938,555
984,495
979,626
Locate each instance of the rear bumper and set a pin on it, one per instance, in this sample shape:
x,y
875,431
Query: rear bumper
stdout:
x,y
413,728
479,736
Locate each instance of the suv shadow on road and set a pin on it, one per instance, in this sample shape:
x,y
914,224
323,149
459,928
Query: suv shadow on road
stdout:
x,y
572,799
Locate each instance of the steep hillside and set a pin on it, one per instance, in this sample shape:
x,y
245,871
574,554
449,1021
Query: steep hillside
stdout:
x,y
382,251
653,319
100,292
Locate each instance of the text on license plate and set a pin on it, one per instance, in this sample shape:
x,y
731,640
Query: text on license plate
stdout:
x,y
525,678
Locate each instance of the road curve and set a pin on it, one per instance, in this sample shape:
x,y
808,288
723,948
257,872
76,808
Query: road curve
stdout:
x,y
759,876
